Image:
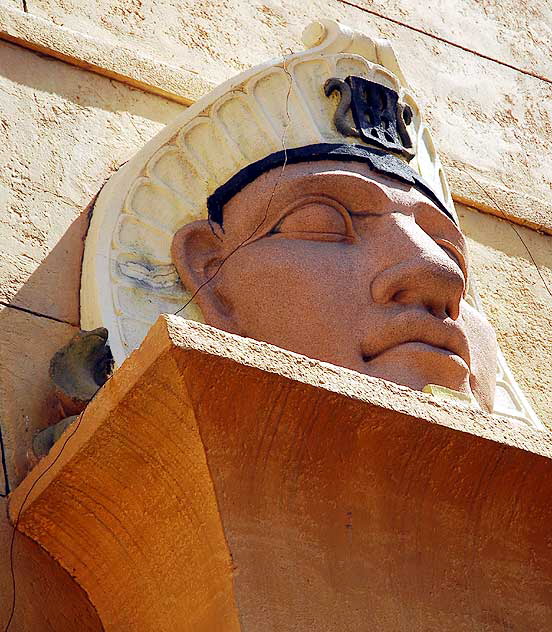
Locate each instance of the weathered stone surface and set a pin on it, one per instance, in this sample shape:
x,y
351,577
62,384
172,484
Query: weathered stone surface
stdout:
x,y
64,132
516,298
491,125
326,487
506,30
59,603
131,66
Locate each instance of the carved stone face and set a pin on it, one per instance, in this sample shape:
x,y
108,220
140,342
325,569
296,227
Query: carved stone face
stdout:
x,y
335,262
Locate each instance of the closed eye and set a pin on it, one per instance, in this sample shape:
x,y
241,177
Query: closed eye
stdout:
x,y
316,218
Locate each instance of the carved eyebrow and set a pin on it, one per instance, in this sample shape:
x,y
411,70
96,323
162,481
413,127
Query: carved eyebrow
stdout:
x,y
458,254
425,205
451,237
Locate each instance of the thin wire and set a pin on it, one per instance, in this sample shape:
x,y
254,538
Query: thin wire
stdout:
x,y
20,512
512,226
284,148
4,466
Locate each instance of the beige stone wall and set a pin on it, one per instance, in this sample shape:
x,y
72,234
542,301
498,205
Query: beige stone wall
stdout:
x,y
64,131
482,72
484,82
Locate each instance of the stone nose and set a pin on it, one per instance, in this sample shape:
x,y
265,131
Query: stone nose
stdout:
x,y
418,272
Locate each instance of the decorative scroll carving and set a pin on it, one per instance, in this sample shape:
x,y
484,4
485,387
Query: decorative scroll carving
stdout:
x,y
379,117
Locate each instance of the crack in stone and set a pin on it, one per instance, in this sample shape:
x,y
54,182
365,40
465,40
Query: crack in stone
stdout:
x,y
39,314
446,41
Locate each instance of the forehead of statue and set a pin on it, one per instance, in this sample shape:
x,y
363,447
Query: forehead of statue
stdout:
x,y
260,204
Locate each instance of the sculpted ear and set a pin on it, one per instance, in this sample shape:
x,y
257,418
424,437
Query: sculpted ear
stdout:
x,y
196,253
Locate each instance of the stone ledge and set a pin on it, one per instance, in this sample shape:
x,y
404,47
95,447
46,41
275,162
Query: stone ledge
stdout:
x,y
123,64
216,479
176,333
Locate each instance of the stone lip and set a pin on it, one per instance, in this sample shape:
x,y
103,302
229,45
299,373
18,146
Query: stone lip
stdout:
x,y
127,65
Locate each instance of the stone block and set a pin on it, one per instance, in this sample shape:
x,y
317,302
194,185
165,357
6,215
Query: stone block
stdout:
x,y
57,601
129,66
508,31
216,482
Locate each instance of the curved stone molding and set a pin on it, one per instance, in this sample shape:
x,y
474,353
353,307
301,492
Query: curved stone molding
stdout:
x,y
128,276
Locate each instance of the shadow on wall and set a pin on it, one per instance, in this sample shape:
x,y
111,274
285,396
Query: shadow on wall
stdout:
x,y
66,131
515,298
500,234
44,316
46,319
527,253
86,96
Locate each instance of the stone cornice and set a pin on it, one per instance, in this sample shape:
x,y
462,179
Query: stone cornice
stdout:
x,y
123,64
216,479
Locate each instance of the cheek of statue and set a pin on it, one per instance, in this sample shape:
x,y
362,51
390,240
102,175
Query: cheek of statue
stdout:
x,y
300,295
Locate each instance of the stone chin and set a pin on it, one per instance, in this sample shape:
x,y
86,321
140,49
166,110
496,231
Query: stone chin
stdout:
x,y
339,263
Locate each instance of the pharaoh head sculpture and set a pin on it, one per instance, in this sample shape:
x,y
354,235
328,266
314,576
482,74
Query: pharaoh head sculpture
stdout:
x,y
330,258
301,203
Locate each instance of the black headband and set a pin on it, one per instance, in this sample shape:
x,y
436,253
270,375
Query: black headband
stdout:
x,y
379,161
